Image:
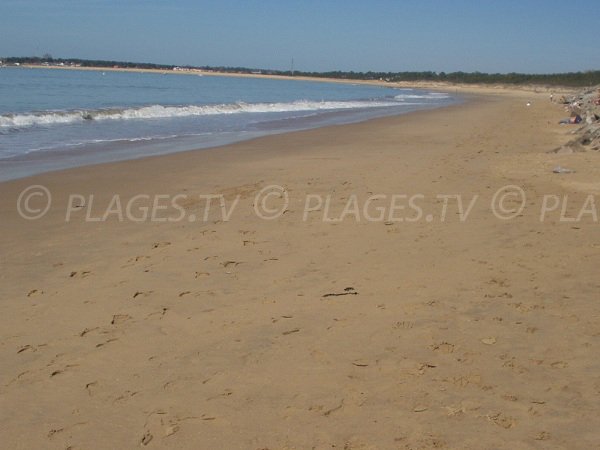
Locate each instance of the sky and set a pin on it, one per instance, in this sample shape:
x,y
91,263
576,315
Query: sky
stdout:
x,y
532,36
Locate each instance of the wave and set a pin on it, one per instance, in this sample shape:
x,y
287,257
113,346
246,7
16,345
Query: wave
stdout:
x,y
428,96
161,112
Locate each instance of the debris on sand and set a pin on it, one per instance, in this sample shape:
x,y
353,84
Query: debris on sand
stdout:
x,y
347,291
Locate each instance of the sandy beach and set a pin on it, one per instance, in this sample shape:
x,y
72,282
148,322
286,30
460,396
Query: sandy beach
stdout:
x,y
300,317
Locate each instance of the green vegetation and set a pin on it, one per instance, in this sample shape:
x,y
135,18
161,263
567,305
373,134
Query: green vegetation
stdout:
x,y
47,59
588,78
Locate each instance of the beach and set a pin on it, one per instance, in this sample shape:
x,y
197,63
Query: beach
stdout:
x,y
118,115
290,312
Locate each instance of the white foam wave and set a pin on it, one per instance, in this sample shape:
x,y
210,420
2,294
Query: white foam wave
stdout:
x,y
25,120
160,111
429,96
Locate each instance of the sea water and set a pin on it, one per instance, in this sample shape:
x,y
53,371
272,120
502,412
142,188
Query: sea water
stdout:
x,y
53,119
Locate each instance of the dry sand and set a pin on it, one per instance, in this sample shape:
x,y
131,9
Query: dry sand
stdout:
x,y
480,333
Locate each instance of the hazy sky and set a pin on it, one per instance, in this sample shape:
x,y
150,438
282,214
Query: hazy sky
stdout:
x,y
381,35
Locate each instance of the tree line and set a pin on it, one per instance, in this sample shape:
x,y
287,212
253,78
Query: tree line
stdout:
x,y
587,78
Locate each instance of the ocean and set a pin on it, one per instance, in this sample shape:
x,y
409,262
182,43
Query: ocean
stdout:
x,y
54,119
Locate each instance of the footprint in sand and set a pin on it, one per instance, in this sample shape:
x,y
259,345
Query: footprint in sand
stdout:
x,y
499,282
542,436
424,367
295,330
360,363
87,331
56,431
146,438
82,274
502,420
138,258
231,263
559,364
171,430
125,396
161,424
322,409
443,347
102,344
60,371
91,387
160,313
27,348
119,319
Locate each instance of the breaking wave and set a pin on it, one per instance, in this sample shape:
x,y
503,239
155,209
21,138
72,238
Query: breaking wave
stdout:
x,y
429,96
161,112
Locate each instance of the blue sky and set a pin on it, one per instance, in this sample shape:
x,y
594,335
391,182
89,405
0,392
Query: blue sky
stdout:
x,y
383,35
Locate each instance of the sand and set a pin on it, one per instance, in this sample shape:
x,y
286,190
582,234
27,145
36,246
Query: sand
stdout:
x,y
300,332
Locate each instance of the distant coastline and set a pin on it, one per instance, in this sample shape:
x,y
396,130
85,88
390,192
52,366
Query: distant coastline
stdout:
x,y
425,79
445,86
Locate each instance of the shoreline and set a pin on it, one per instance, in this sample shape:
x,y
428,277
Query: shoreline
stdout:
x,y
138,156
467,92
300,331
57,159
